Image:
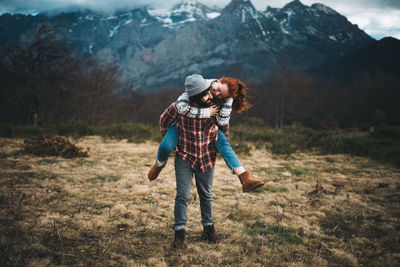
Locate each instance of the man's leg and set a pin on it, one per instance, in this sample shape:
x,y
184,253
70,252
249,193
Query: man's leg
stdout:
x,y
167,145
225,149
204,181
184,174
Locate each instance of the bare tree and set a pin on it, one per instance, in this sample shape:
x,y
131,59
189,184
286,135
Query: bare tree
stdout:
x,y
40,65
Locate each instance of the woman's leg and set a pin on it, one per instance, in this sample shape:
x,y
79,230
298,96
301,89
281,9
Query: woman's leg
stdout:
x,y
167,145
227,153
169,142
225,149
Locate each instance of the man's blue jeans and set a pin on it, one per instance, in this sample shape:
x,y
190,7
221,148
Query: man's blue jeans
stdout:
x,y
204,181
170,141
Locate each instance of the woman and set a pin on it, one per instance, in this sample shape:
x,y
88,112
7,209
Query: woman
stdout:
x,y
228,93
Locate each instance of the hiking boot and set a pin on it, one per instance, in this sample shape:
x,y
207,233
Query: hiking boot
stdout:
x,y
249,183
154,171
209,234
179,240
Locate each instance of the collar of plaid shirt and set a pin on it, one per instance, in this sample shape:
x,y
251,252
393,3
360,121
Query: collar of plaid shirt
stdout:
x,y
197,138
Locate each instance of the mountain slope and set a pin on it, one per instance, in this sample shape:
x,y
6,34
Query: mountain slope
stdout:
x,y
158,48
381,56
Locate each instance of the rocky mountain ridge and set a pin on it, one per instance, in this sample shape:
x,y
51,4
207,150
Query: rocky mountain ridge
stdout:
x,y
158,48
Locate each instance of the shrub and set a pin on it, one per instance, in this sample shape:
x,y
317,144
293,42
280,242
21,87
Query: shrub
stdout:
x,y
388,132
9,130
134,132
282,147
239,145
75,128
6,130
47,145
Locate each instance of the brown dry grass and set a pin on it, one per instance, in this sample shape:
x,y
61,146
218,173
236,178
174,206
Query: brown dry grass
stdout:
x,y
103,211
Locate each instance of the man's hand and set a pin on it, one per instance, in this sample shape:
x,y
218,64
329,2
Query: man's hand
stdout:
x,y
214,109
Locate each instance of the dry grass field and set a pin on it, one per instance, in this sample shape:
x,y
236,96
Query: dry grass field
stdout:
x,y
314,210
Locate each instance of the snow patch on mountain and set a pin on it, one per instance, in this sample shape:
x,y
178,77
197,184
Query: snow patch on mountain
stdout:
x,y
113,31
324,8
213,15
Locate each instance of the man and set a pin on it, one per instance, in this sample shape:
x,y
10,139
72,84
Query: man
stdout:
x,y
196,155
229,94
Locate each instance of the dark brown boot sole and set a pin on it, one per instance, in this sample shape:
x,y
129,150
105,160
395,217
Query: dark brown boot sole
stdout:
x,y
251,188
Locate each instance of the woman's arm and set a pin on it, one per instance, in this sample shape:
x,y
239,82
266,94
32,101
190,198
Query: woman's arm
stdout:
x,y
184,108
224,114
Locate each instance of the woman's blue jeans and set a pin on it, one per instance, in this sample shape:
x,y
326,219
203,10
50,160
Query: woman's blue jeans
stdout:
x,y
170,141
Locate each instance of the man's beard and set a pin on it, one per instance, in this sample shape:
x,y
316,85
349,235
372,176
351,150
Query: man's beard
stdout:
x,y
202,104
218,101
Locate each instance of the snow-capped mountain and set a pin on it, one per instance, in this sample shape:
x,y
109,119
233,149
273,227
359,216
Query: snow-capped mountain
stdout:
x,y
183,13
160,47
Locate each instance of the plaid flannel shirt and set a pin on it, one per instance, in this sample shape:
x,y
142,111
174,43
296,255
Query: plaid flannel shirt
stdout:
x,y
197,137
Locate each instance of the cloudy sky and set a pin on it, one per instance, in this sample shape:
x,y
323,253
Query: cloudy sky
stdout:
x,y
379,18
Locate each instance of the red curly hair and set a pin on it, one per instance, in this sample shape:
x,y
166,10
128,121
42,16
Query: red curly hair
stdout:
x,y
237,90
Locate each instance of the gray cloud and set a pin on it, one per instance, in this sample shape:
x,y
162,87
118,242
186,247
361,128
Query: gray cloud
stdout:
x,y
386,3
25,6
377,17
29,6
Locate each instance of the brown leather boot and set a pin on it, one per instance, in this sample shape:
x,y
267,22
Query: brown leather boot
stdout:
x,y
154,172
249,183
179,240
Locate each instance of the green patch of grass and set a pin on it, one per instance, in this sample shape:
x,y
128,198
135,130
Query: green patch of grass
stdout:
x,y
330,160
274,232
84,162
80,163
241,215
281,169
281,148
270,189
342,222
275,203
149,200
260,169
104,178
297,156
382,145
240,147
301,171
47,161
350,171
134,132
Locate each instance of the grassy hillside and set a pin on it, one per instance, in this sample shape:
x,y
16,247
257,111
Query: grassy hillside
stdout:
x,y
314,210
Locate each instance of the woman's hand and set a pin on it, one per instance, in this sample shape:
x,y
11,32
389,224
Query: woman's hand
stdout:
x,y
214,109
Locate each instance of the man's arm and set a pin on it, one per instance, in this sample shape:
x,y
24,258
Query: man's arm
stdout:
x,y
169,116
185,109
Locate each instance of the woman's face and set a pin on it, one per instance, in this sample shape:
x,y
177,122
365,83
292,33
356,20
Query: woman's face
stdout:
x,y
219,90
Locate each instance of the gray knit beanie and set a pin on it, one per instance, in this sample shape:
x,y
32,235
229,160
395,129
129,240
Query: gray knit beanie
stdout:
x,y
195,84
